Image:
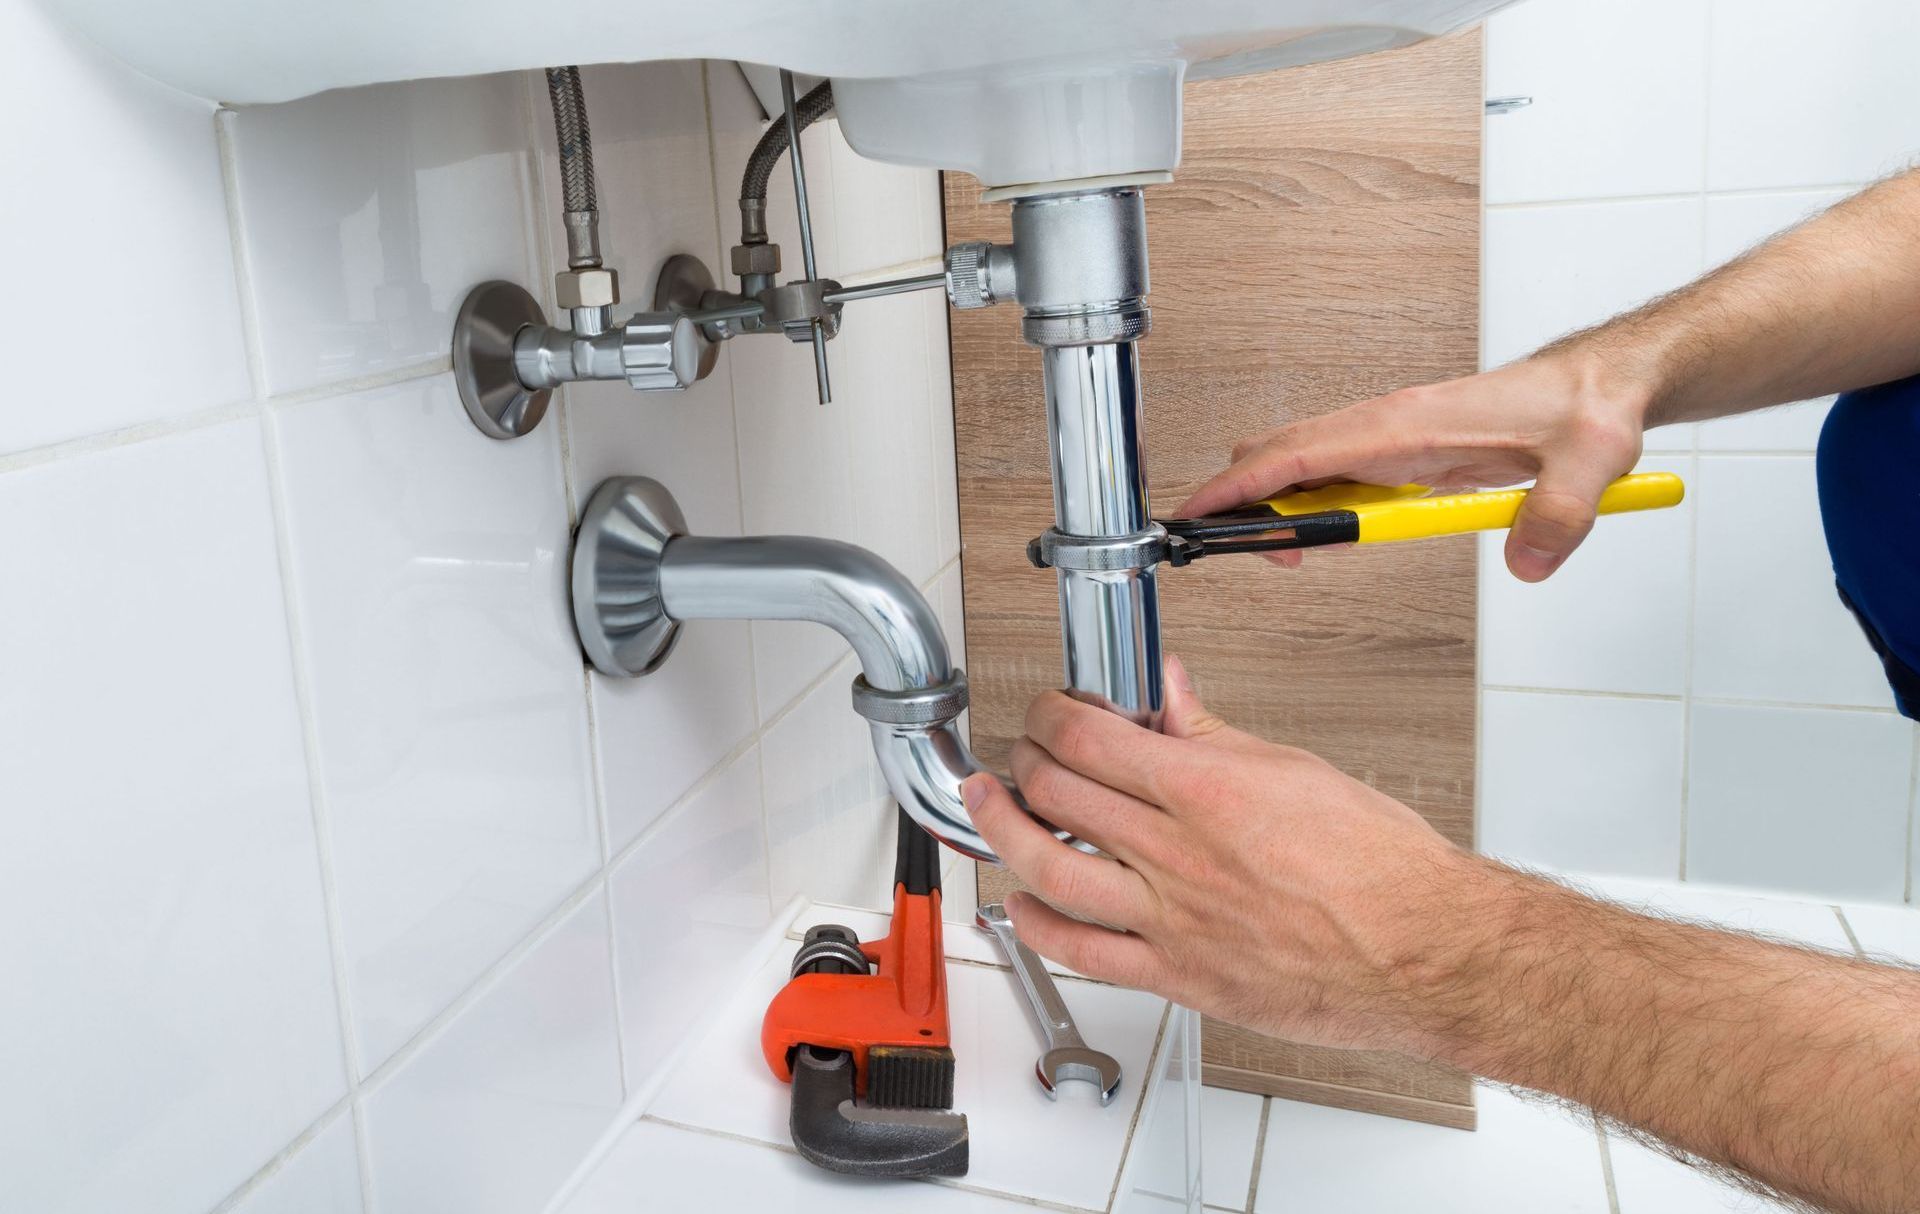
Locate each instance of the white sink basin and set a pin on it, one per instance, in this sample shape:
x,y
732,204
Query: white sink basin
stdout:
x,y
1014,91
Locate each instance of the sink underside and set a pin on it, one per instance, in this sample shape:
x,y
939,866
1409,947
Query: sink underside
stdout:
x,y
1015,91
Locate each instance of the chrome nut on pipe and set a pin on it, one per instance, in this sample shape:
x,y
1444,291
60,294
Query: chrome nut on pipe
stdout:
x,y
979,273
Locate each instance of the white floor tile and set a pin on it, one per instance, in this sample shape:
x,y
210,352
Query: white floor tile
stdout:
x,y
1647,1182
1613,618
734,1092
1768,624
686,905
1801,922
1584,136
495,1112
1165,1157
1229,1134
1806,95
369,214
1525,1156
135,166
170,1003
664,1167
1810,800
1578,781
1888,932
430,566
322,1178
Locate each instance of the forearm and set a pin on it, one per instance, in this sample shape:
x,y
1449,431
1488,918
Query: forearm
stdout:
x,y
1798,1068
1831,305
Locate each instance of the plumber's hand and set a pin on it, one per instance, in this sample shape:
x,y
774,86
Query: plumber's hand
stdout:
x,y
1549,418
1251,881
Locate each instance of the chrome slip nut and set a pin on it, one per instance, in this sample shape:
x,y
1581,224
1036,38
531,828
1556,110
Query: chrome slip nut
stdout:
x,y
756,259
927,706
597,287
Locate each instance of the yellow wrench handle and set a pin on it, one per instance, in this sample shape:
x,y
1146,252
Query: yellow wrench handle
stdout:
x,y
1389,513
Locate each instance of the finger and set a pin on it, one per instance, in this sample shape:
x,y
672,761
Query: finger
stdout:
x,y
1100,744
1087,948
1185,716
1285,558
1327,446
1124,826
1556,516
1088,885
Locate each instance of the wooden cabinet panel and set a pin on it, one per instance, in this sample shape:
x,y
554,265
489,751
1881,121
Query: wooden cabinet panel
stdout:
x,y
1320,245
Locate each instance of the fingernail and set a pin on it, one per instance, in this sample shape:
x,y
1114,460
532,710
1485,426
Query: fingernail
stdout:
x,y
1539,562
974,792
1177,673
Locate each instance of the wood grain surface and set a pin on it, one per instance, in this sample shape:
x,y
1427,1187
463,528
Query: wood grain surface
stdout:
x,y
1319,245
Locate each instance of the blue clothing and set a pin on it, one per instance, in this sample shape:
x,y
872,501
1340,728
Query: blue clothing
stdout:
x,y
1869,468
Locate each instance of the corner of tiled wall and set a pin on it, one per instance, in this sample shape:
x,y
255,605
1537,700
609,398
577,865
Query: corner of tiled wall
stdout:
x,y
1688,698
350,888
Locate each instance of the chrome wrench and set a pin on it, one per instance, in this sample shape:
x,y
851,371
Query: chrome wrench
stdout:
x,y
1067,1056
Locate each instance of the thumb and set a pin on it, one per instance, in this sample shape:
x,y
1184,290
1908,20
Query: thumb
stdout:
x,y
1555,517
1184,715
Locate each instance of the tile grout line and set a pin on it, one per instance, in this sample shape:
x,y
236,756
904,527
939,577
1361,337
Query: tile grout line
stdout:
x,y
1840,914
317,803
1687,697
1676,698
739,479
1606,1164
540,217
1551,204
298,1143
1156,1058
1259,1153
108,440
299,661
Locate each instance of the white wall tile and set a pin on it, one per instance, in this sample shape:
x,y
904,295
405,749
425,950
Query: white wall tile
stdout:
x,y
1551,270
830,822
86,138
430,564
946,486
1525,1156
172,1020
1619,99
1886,932
1613,618
1804,94
686,906
1798,921
370,213
1645,1181
496,1110
1582,781
883,389
1768,623
887,213
323,1177
1804,799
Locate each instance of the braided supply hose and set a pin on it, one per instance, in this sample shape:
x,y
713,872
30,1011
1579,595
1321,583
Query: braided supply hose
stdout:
x,y
576,164
817,104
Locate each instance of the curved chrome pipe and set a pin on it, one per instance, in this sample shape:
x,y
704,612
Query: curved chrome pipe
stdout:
x,y
893,631
637,576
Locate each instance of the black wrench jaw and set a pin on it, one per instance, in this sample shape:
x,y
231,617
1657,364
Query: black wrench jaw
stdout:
x,y
833,1132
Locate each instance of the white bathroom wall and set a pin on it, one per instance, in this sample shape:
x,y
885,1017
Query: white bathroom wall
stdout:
x,y
1688,698
334,882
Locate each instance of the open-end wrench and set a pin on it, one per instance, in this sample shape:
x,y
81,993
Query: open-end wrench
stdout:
x,y
1067,1056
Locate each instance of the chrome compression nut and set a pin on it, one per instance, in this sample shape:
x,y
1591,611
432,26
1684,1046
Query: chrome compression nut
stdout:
x,y
595,287
755,259
1130,322
927,706
979,273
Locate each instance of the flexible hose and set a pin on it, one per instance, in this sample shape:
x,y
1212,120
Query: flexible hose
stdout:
x,y
766,154
576,142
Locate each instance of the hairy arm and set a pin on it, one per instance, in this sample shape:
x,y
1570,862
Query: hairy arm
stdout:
x,y
1797,1069
1261,885
1831,305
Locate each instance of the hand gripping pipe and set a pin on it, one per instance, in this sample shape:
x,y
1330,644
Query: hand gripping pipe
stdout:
x,y
637,576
